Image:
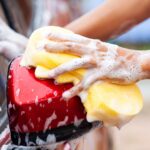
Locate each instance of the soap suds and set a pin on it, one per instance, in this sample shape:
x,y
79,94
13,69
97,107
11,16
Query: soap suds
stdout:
x,y
77,121
49,121
49,100
25,128
17,92
36,100
22,113
62,123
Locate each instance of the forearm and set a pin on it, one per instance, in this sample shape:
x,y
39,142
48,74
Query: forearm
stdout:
x,y
111,18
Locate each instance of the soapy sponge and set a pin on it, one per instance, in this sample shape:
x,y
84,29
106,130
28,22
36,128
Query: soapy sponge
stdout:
x,y
111,103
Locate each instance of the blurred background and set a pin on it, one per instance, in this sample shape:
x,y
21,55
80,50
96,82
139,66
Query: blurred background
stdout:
x,y
36,13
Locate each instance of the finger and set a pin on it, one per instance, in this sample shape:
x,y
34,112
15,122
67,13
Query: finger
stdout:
x,y
92,76
72,65
59,36
73,91
91,79
68,47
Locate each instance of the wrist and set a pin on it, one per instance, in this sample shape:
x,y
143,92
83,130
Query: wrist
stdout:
x,y
145,62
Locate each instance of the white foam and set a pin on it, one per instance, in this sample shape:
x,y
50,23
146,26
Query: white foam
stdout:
x,y
9,77
51,138
49,120
55,93
77,121
27,138
10,105
39,119
13,106
30,108
17,128
36,100
49,100
25,128
39,141
17,92
63,122
32,125
22,112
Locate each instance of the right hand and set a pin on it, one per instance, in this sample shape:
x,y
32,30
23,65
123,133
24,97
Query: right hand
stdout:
x,y
103,61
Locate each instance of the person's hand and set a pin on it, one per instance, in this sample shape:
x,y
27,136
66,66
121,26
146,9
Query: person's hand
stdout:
x,y
12,44
103,61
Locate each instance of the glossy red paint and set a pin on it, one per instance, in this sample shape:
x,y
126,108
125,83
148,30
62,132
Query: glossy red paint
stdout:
x,y
36,105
